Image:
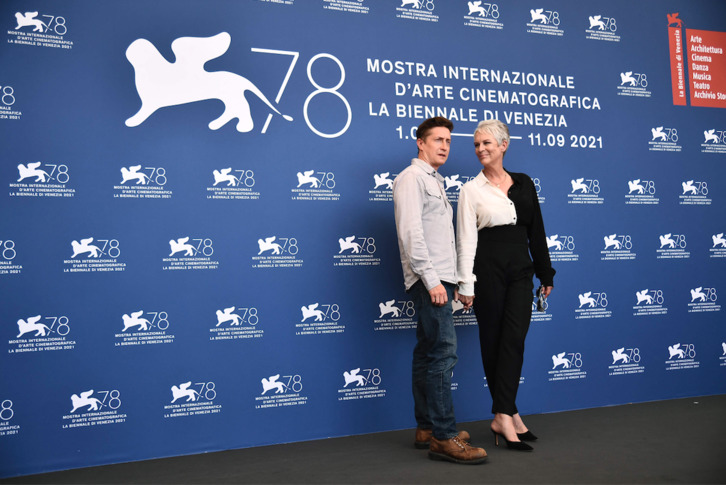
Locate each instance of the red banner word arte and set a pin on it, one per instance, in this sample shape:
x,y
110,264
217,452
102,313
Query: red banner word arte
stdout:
x,y
707,67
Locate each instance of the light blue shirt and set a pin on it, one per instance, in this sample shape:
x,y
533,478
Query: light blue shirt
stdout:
x,y
425,226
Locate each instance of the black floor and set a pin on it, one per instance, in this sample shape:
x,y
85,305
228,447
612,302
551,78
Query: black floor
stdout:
x,y
677,441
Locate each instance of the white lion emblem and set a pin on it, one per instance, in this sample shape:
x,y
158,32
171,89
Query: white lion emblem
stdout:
x,y
161,84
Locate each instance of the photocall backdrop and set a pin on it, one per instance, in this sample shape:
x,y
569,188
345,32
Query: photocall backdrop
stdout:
x,y
197,243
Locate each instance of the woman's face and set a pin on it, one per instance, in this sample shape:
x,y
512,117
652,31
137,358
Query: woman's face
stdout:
x,y
487,150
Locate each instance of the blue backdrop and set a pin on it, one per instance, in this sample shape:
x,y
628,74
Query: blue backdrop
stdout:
x,y
197,246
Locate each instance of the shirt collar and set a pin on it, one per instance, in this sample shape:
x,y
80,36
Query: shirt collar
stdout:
x,y
417,162
482,180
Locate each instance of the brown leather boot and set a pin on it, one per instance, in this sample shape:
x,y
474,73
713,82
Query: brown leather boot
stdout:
x,y
457,451
423,438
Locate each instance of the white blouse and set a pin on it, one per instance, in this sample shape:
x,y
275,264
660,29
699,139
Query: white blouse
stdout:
x,y
481,204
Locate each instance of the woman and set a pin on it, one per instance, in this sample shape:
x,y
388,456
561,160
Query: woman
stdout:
x,y
499,225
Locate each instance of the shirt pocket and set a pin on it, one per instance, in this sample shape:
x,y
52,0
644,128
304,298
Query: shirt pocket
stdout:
x,y
434,200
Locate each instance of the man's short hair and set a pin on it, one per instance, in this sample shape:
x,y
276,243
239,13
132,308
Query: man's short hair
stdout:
x,y
424,128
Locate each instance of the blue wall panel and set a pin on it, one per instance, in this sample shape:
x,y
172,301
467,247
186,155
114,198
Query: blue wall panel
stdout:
x,y
183,327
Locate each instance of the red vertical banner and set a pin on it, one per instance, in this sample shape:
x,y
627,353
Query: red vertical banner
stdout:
x,y
678,66
706,57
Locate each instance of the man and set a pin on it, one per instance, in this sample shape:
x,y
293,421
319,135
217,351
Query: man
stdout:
x,y
424,222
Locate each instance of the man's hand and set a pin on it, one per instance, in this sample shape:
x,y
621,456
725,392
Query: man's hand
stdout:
x,y
438,295
466,300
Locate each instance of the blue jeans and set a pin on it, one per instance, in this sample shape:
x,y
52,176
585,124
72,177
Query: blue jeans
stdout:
x,y
434,358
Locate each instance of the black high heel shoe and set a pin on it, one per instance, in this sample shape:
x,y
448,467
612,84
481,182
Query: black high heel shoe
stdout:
x,y
527,436
512,445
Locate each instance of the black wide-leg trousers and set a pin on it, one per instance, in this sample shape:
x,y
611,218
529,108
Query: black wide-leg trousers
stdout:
x,y
503,308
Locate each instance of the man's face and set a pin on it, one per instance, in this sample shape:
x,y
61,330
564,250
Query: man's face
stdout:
x,y
434,149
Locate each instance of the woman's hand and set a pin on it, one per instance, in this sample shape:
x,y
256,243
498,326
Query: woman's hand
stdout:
x,y
466,300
